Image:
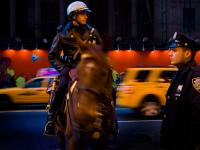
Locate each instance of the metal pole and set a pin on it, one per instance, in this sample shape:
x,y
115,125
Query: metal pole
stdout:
x,y
12,19
37,19
111,17
62,12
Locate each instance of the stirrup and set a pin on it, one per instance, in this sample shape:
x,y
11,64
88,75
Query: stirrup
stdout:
x,y
50,129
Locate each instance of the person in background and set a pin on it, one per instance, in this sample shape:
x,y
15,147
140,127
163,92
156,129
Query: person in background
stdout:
x,y
20,81
11,76
65,54
180,129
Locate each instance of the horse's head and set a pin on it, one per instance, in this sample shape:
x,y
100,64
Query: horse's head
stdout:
x,y
93,69
94,85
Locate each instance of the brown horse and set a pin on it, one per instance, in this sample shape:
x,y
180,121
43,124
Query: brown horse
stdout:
x,y
89,109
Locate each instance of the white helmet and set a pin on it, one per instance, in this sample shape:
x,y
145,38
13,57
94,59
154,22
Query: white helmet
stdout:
x,y
77,7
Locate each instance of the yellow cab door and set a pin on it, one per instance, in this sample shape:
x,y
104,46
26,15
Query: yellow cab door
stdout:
x,y
33,92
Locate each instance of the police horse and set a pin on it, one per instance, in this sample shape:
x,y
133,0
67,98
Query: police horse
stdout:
x,y
88,116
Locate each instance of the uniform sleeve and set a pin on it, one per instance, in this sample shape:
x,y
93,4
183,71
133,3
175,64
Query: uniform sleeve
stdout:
x,y
53,54
195,108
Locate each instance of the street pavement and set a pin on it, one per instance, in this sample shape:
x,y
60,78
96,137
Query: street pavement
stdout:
x,y
22,130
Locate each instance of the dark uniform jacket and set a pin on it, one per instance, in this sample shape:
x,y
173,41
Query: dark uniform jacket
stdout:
x,y
180,128
65,49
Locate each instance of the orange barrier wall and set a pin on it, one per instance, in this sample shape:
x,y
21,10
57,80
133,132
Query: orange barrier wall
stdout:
x,y
120,60
21,60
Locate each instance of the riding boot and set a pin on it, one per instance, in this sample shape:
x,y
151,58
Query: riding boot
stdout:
x,y
55,105
50,127
56,101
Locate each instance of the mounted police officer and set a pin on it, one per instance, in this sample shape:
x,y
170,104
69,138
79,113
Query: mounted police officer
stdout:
x,y
65,53
180,128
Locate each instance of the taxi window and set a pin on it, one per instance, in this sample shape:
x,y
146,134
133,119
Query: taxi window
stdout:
x,y
167,75
34,84
45,82
142,75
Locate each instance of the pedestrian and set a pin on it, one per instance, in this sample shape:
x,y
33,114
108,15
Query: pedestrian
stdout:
x,y
180,129
65,53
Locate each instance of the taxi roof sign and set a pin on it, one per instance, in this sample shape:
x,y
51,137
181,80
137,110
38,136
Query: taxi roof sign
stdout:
x,y
47,72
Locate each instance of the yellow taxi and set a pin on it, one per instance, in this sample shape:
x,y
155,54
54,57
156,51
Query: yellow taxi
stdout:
x,y
33,92
145,89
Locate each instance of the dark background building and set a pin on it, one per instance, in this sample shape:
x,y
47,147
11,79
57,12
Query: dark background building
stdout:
x,y
125,24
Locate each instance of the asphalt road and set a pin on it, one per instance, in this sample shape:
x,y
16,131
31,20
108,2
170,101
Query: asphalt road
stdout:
x,y
22,130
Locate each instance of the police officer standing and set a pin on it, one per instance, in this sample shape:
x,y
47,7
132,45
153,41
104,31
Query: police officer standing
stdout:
x,y
180,128
65,53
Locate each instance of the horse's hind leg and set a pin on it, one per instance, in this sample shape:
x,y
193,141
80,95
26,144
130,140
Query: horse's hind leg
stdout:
x,y
62,140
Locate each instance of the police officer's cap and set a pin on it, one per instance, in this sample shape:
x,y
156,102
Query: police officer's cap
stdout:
x,y
181,40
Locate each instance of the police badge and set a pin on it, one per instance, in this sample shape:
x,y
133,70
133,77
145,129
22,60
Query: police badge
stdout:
x,y
196,83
